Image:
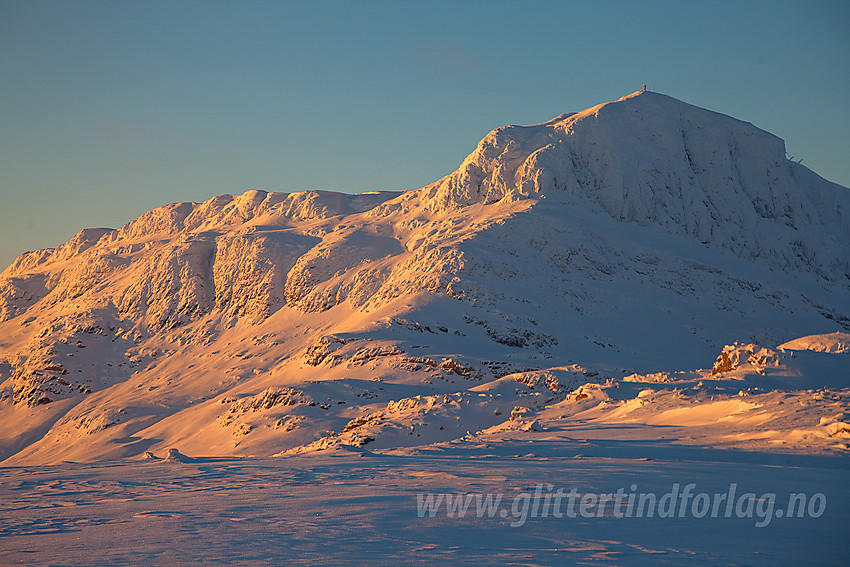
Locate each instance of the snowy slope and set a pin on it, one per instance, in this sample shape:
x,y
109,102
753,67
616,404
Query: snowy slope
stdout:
x,y
558,267
653,160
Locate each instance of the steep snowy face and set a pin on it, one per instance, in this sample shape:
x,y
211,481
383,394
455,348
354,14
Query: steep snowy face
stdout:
x,y
180,261
653,160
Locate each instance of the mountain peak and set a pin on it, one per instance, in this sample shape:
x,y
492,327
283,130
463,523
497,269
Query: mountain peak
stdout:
x,y
635,234
651,159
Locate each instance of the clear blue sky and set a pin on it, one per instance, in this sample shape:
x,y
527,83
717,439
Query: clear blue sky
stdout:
x,y
111,108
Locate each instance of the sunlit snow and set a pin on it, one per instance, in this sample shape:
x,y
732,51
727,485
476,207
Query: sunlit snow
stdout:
x,y
643,293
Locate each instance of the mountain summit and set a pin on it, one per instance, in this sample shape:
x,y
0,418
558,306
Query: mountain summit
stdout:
x,y
635,236
654,160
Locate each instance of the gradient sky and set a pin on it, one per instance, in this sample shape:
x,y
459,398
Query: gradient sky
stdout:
x,y
108,109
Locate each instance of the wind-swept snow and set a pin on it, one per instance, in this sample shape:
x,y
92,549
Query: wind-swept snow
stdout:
x,y
831,342
573,287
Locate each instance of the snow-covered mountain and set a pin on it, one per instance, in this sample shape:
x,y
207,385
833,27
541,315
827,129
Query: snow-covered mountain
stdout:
x,y
559,262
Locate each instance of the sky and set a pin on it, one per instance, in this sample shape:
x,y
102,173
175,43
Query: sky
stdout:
x,y
111,108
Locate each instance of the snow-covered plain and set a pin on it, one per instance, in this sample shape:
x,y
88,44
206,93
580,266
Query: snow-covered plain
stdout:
x,y
359,507
641,294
